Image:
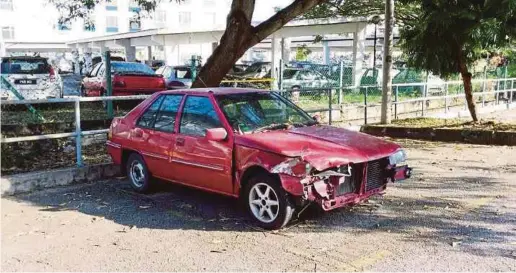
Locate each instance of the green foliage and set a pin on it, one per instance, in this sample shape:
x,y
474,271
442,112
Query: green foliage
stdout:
x,y
302,53
404,10
450,33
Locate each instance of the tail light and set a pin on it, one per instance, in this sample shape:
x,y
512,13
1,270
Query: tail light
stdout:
x,y
118,82
162,83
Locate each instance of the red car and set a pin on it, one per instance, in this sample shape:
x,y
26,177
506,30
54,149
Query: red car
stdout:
x,y
127,79
255,145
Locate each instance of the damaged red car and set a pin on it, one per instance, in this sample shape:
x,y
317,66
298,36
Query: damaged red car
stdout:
x,y
254,145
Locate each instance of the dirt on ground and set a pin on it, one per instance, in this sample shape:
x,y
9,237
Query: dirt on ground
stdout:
x,y
457,213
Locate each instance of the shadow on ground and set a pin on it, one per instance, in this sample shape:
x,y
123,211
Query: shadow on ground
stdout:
x,y
417,217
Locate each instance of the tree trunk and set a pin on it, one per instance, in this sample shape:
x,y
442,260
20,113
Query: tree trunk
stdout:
x,y
385,117
468,90
240,35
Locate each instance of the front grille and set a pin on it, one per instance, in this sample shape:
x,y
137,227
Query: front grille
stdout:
x,y
376,177
352,183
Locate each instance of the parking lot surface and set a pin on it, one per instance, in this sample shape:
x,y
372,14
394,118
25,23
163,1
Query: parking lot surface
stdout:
x,y
457,213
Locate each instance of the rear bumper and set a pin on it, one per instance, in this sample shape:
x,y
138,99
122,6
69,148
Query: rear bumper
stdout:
x,y
115,151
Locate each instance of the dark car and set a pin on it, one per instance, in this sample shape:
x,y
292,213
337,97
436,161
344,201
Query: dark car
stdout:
x,y
254,145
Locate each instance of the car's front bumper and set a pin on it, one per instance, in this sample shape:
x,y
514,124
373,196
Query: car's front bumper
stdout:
x,y
325,192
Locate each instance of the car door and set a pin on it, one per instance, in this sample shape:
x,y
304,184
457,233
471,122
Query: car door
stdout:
x,y
155,135
201,162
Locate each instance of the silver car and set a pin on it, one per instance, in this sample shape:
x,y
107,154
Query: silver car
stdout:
x,y
31,77
298,78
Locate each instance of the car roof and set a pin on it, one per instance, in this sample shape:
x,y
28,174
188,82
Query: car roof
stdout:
x,y
215,90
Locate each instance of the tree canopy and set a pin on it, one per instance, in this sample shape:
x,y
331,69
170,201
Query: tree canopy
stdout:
x,y
449,36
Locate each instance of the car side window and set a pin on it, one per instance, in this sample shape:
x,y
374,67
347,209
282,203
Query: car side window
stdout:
x,y
167,73
95,69
198,116
101,70
160,70
166,118
148,117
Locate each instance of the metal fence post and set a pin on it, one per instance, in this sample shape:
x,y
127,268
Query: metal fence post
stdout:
x,y
109,85
396,103
446,97
341,82
365,105
425,90
78,136
330,107
484,82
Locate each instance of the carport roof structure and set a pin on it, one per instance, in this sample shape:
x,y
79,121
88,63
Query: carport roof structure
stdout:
x,y
165,37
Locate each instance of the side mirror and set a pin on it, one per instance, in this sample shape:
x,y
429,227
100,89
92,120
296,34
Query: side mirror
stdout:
x,y
317,118
216,134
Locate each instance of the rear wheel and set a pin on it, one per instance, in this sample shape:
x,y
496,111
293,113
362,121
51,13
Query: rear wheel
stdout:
x,y
267,203
138,173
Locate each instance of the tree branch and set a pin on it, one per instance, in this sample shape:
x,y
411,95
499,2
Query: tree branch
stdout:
x,y
282,17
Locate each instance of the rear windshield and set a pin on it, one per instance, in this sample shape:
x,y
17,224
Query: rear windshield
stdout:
x,y
131,68
25,66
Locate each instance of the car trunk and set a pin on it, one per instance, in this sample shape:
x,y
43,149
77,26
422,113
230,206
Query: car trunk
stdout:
x,y
138,82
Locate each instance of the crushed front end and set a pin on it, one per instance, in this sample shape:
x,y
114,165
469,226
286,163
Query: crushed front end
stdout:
x,y
342,185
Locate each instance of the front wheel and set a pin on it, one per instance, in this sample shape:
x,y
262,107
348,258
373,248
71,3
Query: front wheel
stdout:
x,y
267,203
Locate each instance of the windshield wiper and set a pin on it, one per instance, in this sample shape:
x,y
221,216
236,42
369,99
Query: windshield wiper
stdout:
x,y
272,126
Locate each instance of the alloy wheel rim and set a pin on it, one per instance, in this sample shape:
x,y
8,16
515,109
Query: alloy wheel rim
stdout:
x,y
137,174
264,203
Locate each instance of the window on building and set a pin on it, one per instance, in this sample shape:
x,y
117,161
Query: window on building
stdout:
x,y
209,18
6,4
64,26
160,18
134,24
89,25
185,19
134,6
8,33
111,24
111,5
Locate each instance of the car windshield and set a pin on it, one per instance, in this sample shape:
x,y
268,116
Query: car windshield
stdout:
x,y
255,112
131,68
289,73
25,66
183,73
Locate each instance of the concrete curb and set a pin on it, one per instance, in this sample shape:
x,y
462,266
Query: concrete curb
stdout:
x,y
27,182
444,134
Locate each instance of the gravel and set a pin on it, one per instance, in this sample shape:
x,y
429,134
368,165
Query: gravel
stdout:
x,y
458,214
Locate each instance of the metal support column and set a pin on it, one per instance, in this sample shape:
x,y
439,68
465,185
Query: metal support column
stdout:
x,y
78,136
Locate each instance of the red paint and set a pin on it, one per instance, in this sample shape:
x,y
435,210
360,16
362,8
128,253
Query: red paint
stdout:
x,y
219,161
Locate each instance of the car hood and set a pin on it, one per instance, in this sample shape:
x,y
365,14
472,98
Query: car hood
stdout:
x,y
321,146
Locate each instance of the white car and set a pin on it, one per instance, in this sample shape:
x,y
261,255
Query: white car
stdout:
x,y
32,77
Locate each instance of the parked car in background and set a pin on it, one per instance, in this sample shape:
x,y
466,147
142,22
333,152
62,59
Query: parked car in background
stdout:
x,y
255,70
435,85
176,76
32,77
298,78
98,59
156,64
254,145
127,79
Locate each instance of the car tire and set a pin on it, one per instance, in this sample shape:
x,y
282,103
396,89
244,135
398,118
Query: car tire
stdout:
x,y
267,202
138,173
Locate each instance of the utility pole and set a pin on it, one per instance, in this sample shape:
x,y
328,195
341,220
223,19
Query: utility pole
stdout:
x,y
387,63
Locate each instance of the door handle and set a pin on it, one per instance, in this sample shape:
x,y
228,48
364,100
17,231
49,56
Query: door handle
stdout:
x,y
138,132
180,141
